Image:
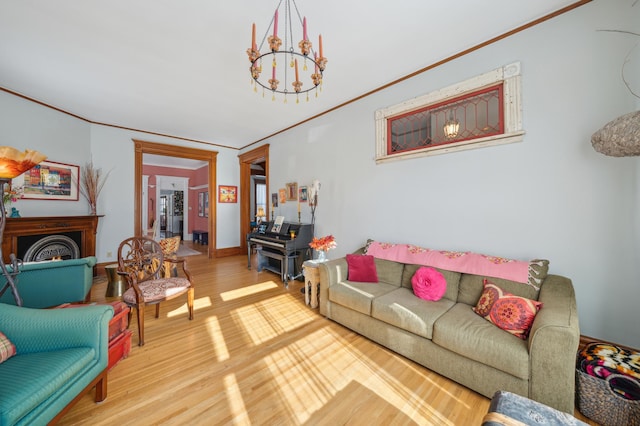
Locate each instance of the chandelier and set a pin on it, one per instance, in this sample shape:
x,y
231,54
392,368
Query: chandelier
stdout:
x,y
287,70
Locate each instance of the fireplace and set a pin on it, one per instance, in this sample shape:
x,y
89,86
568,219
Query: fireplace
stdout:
x,y
35,248
66,236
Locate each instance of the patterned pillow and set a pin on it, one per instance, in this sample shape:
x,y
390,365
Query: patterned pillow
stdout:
x,y
7,349
511,313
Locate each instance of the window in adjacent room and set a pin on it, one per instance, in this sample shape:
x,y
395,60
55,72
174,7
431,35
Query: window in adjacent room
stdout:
x,y
481,111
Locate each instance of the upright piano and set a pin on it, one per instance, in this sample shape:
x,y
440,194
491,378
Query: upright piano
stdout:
x,y
282,252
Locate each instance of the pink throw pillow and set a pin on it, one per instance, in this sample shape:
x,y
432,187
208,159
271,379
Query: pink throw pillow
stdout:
x,y
509,312
428,284
362,268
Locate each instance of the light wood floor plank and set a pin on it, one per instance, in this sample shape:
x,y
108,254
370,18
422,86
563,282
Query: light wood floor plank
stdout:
x,y
256,355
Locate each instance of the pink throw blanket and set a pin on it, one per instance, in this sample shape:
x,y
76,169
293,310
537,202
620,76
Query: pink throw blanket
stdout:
x,y
465,262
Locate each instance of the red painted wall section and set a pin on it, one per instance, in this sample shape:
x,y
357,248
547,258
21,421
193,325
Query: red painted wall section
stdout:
x,y
196,178
200,177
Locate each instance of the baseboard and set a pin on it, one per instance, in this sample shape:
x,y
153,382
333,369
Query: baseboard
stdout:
x,y
229,251
585,340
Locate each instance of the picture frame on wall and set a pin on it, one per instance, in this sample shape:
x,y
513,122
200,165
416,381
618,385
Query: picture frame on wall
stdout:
x,y
206,204
303,196
227,194
50,180
274,199
283,195
292,191
201,204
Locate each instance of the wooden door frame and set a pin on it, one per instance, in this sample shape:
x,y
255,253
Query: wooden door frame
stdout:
x,y
145,147
246,160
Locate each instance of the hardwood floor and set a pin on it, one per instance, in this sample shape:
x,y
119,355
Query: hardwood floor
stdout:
x,y
255,354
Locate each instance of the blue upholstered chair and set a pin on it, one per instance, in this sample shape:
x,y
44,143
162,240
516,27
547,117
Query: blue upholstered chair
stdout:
x,y
60,354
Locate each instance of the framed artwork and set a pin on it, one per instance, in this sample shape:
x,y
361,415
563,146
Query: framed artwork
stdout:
x,y
283,195
50,181
203,204
227,194
304,194
274,199
292,191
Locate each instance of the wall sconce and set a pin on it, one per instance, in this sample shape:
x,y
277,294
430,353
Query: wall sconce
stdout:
x,y
451,127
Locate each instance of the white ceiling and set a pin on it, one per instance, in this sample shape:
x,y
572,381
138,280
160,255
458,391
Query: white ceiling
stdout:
x,y
179,68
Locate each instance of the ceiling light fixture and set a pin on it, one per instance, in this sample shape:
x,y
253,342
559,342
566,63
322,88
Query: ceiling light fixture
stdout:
x,y
291,70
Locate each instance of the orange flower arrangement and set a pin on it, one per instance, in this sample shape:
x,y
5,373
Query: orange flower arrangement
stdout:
x,y
323,243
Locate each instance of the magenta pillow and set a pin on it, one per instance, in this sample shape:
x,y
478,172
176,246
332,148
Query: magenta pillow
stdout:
x,y
428,284
362,268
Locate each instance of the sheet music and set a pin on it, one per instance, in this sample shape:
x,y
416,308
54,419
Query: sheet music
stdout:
x,y
277,224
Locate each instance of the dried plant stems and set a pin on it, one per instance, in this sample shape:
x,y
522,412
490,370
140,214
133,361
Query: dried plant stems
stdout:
x,y
91,184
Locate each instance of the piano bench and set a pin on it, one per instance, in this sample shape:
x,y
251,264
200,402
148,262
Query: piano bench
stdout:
x,y
201,237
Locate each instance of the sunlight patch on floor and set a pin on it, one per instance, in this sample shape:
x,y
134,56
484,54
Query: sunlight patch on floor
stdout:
x,y
247,291
237,407
199,303
217,339
269,319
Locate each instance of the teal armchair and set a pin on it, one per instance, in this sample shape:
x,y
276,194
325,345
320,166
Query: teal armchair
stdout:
x,y
60,354
51,283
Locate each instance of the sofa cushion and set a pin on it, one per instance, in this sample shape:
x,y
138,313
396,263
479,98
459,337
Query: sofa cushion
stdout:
x,y
389,272
41,375
358,296
464,332
513,314
428,284
361,268
453,279
471,287
401,308
7,349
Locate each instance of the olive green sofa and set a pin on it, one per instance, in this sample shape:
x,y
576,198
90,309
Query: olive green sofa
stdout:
x,y
51,283
61,354
448,337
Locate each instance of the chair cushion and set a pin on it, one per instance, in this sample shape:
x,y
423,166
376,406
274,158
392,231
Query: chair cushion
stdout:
x,y
157,290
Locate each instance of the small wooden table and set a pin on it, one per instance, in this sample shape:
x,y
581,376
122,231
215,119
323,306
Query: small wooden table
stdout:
x,y
311,271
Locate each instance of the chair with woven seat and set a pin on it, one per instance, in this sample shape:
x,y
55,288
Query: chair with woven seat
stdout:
x,y
141,261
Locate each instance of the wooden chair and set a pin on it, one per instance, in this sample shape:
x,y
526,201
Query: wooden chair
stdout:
x,y
141,261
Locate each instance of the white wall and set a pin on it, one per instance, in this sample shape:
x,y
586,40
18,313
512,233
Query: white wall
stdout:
x,y
28,125
550,196
63,138
113,150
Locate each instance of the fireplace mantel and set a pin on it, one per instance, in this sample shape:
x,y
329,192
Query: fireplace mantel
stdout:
x,y
23,226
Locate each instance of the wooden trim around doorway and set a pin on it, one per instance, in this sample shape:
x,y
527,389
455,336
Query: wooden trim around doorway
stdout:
x,y
144,147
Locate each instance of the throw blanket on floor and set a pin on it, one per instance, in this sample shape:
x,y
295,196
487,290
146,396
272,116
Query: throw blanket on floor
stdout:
x,y
531,273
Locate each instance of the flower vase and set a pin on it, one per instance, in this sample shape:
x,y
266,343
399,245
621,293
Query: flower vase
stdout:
x,y
322,256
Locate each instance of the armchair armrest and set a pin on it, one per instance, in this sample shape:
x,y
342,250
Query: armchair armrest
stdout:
x,y
553,344
39,330
331,272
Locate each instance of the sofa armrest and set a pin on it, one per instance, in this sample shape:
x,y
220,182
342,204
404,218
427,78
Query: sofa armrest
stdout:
x,y
40,330
553,345
331,272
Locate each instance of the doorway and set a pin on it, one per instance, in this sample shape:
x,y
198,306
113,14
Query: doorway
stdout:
x,y
143,147
258,156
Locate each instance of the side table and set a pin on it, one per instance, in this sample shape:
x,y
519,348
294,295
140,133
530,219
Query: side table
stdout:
x,y
311,270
